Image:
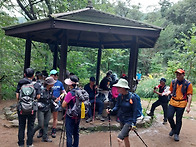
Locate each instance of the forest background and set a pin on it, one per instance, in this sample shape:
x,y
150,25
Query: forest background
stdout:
x,y
175,48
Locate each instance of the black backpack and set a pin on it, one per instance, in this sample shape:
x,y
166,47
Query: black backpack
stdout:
x,y
185,85
81,96
27,104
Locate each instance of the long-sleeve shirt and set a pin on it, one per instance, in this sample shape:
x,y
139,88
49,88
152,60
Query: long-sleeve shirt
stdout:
x,y
127,107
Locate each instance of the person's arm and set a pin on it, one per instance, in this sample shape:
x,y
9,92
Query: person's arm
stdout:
x,y
189,96
116,107
37,87
188,108
155,90
64,104
17,96
67,99
134,110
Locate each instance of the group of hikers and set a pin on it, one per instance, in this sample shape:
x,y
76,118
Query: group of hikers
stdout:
x,y
45,95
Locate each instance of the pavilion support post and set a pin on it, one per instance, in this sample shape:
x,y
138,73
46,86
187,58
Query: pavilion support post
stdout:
x,y
63,57
98,65
27,54
133,63
55,56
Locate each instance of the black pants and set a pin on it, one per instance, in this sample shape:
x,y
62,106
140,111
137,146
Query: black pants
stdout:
x,y
164,106
176,127
21,132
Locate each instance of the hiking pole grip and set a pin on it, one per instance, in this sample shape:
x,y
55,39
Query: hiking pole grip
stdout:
x,y
140,138
109,118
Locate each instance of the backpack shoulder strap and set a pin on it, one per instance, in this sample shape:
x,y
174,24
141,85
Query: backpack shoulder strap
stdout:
x,y
174,85
186,83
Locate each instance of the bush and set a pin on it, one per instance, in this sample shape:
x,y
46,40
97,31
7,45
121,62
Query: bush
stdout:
x,y
146,86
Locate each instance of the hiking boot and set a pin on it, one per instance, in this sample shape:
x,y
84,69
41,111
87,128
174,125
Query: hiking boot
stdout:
x,y
164,122
46,140
40,134
89,119
171,133
150,114
118,120
99,117
53,134
176,137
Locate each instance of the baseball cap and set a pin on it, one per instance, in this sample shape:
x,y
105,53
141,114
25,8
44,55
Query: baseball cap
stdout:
x,y
92,79
72,80
50,81
53,72
180,70
163,79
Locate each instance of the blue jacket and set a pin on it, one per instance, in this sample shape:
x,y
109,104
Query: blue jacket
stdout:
x,y
127,111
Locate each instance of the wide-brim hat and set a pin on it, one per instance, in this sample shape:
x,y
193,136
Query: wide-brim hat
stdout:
x,y
50,81
122,83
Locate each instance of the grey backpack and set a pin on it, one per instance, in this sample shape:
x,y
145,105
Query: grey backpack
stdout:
x,y
27,103
74,109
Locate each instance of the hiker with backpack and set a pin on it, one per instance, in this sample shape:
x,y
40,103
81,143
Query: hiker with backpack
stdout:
x,y
71,121
181,91
163,99
58,89
44,109
26,93
127,107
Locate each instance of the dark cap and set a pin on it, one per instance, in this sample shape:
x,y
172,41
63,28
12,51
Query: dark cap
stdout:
x,y
163,79
92,79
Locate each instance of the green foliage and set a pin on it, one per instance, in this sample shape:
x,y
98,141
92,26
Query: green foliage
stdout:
x,y
146,86
186,50
194,94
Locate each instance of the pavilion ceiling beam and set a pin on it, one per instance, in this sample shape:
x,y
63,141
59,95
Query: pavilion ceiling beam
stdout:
x,y
147,39
79,34
121,42
146,44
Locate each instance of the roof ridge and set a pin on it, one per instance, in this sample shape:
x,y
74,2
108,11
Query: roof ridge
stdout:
x,y
68,13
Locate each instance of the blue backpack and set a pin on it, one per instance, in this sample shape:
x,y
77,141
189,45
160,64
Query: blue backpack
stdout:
x,y
139,106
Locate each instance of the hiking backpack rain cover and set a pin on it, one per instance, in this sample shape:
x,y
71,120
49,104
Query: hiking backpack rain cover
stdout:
x,y
26,103
81,95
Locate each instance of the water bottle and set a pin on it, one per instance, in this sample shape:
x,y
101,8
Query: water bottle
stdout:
x,y
82,110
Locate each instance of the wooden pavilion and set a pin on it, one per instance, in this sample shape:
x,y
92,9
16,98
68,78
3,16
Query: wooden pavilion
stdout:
x,y
87,28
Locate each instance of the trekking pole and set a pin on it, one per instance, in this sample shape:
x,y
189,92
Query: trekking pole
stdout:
x,y
109,119
62,134
94,107
140,138
148,104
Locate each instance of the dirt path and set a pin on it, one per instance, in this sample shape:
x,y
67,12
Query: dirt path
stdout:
x,y
154,136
